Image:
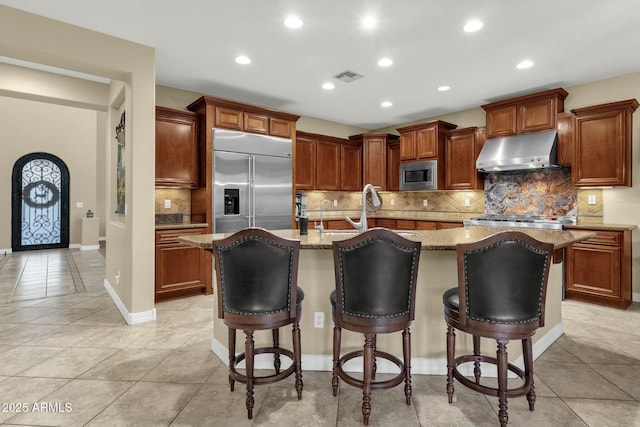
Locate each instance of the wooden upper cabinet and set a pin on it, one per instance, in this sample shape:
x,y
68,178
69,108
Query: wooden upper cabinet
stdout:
x,y
602,138
529,113
244,117
374,157
460,159
305,162
350,166
565,127
393,166
480,137
176,148
256,123
228,118
423,141
327,164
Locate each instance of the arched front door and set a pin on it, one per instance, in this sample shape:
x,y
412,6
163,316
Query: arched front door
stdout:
x,y
39,203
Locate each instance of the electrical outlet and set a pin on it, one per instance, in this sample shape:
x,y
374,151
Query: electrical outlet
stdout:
x,y
425,203
335,203
79,205
467,203
591,199
393,202
118,279
167,204
318,319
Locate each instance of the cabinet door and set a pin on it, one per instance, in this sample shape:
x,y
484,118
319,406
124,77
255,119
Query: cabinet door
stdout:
x,y
305,163
480,138
327,165
460,166
256,123
602,152
176,149
502,121
538,115
427,143
393,167
279,127
408,145
228,118
386,223
178,268
350,167
375,161
565,129
405,224
593,273
338,224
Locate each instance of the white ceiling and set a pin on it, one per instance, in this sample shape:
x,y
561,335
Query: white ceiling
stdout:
x,y
196,41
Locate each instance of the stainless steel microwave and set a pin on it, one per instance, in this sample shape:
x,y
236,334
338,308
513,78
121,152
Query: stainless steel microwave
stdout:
x,y
419,176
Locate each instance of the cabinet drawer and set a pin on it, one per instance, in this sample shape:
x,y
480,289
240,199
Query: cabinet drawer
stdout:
x,y
385,222
426,225
405,224
171,236
611,238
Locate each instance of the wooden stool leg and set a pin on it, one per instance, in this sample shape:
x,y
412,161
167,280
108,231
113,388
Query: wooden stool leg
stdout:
x,y
297,356
476,364
335,380
527,353
276,349
406,352
368,372
451,351
232,354
375,364
501,356
248,352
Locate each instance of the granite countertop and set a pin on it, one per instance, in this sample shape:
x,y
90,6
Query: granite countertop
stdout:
x,y
409,215
173,226
445,239
582,224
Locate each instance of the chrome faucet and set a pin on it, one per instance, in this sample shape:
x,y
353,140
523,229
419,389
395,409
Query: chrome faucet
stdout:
x,y
362,225
321,226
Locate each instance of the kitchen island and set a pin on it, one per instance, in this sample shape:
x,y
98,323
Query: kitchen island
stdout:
x,y
437,272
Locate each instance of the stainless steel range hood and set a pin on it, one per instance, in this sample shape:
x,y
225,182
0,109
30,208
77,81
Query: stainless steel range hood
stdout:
x,y
528,151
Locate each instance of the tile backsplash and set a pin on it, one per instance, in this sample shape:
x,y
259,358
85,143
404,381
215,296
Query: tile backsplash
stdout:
x,y
547,192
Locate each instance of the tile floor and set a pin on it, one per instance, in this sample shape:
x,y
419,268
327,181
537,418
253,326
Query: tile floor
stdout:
x,y
70,360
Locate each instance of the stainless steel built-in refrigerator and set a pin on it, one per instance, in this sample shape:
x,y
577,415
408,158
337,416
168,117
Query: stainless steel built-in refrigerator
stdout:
x,y
252,181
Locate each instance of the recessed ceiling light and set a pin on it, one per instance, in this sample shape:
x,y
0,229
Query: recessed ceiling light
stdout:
x,y
385,62
472,26
524,64
328,86
243,60
368,22
443,88
293,22
386,104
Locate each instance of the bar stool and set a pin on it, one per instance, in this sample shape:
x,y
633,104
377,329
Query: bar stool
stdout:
x,y
502,286
375,293
257,275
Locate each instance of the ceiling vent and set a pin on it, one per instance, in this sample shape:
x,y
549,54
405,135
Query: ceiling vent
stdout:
x,y
348,76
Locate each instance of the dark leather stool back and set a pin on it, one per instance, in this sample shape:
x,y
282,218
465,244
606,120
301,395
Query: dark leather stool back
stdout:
x,y
503,282
376,277
256,276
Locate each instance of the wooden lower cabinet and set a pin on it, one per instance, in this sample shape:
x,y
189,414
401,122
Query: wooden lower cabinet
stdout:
x,y
442,225
337,224
598,270
180,269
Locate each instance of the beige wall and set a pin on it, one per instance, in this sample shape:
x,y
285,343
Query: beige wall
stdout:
x,y
66,132
131,67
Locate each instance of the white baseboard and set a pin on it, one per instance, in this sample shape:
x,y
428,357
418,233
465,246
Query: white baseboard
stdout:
x,y
635,297
102,238
419,365
130,318
90,247
74,245
5,251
